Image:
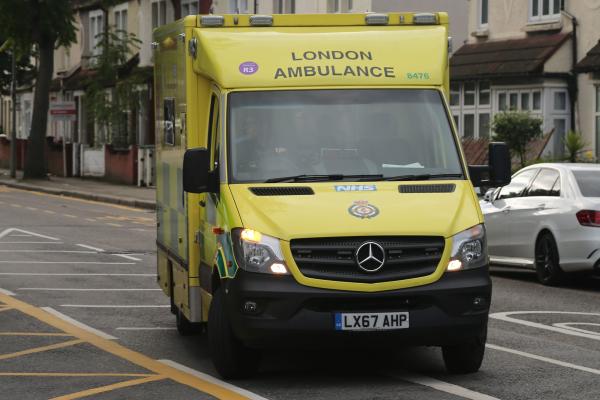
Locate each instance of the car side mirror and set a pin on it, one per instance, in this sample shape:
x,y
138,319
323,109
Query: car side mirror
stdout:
x,y
197,177
498,171
489,195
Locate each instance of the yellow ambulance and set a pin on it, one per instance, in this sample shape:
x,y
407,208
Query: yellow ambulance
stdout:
x,y
311,189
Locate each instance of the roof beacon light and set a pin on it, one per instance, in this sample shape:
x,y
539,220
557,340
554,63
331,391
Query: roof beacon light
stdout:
x,y
376,19
261,20
425,19
212,20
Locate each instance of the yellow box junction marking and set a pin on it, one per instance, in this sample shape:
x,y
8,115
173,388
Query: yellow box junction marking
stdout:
x,y
120,351
107,388
34,334
41,349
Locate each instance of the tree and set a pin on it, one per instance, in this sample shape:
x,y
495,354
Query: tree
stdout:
x,y
110,92
42,25
517,129
24,67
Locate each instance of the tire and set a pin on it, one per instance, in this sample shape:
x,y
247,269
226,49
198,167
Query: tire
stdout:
x,y
465,358
547,261
229,355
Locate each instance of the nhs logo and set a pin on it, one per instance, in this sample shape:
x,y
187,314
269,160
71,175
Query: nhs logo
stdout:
x,y
355,188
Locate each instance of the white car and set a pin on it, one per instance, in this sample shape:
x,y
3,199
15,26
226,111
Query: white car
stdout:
x,y
547,219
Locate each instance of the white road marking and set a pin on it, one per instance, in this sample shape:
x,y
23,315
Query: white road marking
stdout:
x,y
85,246
545,359
7,292
15,235
112,306
443,386
67,274
505,316
213,380
127,256
67,262
569,325
50,251
6,232
78,324
155,328
89,290
31,243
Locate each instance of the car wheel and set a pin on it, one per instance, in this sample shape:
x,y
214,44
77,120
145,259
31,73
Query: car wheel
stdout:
x,y
229,355
465,358
547,262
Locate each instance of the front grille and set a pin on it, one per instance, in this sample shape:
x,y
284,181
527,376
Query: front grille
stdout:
x,y
282,191
334,258
427,188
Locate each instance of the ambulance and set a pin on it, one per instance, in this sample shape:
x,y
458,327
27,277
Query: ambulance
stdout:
x,y
311,187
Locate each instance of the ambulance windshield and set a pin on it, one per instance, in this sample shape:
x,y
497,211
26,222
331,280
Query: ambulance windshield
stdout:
x,y
383,133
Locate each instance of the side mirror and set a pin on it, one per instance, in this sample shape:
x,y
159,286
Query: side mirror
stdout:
x,y
498,171
196,175
489,195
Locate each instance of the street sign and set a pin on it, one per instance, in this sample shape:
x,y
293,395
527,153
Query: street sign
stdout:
x,y
63,111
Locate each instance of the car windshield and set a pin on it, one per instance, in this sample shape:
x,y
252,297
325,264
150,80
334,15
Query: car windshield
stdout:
x,y
589,182
340,135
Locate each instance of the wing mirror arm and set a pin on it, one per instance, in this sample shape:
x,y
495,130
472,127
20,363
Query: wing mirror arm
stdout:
x,y
498,172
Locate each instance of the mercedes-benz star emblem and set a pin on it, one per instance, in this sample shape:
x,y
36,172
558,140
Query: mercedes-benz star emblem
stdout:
x,y
370,256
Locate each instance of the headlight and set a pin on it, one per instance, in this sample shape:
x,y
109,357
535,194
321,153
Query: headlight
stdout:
x,y
255,252
469,249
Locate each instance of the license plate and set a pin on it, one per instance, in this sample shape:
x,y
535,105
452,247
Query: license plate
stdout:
x,y
371,321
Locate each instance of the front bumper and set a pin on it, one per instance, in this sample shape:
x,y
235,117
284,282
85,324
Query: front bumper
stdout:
x,y
289,314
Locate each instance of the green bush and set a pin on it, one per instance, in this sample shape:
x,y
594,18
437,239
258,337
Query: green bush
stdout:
x,y
517,129
574,144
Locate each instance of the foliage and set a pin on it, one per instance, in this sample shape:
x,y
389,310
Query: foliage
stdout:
x,y
517,129
574,144
25,72
45,25
110,93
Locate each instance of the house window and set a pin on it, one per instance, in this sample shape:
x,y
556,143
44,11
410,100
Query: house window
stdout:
x,y
159,13
455,94
560,100
469,126
285,6
502,105
525,101
469,99
121,19
513,101
96,30
470,103
483,13
560,130
537,101
189,7
540,10
339,6
238,6
484,93
484,125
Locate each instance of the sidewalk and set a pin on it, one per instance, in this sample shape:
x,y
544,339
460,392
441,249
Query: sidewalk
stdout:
x,y
90,189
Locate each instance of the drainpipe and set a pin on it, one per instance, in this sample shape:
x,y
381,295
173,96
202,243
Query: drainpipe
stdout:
x,y
573,82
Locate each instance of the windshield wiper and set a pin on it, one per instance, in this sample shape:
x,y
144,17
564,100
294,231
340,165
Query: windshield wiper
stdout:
x,y
423,177
323,178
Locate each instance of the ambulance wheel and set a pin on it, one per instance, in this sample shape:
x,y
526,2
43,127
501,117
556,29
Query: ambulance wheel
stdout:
x,y
229,355
465,358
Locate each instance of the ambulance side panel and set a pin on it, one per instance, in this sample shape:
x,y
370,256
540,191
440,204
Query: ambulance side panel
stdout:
x,y
170,112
